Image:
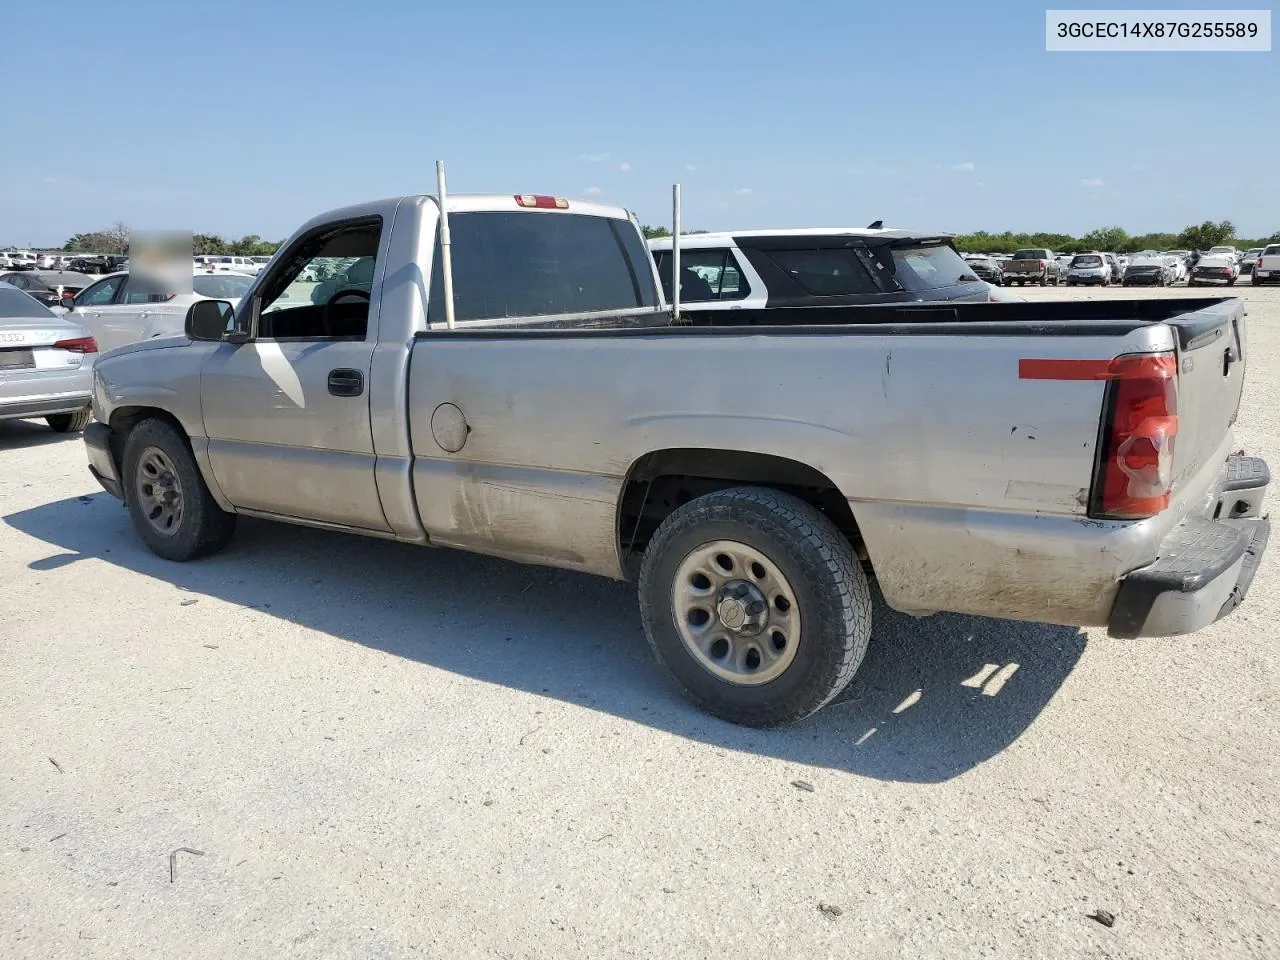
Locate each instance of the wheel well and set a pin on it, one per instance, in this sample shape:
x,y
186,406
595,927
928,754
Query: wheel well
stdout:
x,y
124,419
663,480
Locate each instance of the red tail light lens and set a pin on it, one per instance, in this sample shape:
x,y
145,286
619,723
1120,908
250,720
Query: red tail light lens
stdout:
x,y
78,345
1136,468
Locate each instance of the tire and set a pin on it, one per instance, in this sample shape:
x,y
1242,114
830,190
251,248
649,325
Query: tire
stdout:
x,y
192,525
1256,282
1044,281
801,554
69,422
1231,282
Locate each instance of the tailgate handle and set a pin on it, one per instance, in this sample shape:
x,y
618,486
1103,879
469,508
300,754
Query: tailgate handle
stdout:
x,y
1229,356
346,383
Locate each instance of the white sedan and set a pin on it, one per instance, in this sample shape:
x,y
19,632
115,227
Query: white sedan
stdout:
x,y
123,308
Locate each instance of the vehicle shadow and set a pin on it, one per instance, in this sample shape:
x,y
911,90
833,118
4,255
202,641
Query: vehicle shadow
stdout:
x,y
934,698
18,434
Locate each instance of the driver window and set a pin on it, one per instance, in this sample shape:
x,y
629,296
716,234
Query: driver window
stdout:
x,y
322,287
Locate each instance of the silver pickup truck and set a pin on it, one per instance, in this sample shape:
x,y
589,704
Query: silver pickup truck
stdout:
x,y
752,470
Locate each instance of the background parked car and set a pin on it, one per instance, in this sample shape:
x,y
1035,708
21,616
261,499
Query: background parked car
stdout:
x,y
1032,265
1250,259
803,268
1115,266
1267,269
47,286
46,364
985,268
124,308
226,263
1219,268
20,260
1089,268
1148,269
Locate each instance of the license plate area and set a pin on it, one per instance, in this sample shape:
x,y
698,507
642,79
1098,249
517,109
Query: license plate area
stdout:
x,y
17,360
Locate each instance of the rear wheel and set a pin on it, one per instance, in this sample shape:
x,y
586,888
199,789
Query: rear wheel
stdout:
x,y
1231,282
170,506
69,422
754,603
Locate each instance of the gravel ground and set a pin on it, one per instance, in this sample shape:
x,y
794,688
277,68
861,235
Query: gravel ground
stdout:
x,y
383,751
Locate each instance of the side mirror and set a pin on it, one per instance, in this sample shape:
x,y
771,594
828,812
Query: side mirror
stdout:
x,y
211,320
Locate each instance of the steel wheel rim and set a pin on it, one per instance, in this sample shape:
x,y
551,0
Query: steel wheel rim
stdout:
x,y
714,599
159,491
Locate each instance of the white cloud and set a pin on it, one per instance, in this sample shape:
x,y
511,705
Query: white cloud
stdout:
x,y
594,157
982,183
743,191
593,191
624,167
690,167
963,167
1091,182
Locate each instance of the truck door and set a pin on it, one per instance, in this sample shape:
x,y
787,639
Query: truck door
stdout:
x,y
287,413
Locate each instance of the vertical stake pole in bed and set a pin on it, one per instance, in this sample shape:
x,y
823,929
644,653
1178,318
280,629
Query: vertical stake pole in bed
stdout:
x,y
446,246
675,253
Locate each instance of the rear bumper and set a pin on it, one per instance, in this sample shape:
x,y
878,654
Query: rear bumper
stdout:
x,y
1140,278
22,408
1205,565
97,443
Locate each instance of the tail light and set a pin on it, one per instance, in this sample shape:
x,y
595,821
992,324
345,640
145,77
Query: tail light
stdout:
x,y
78,345
1043,265
1135,476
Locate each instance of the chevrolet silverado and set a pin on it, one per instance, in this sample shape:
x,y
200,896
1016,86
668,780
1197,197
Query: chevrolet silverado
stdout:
x,y
501,374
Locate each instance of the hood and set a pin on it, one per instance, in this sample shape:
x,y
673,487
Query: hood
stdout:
x,y
155,343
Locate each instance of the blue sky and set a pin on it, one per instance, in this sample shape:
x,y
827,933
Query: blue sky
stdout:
x,y
249,117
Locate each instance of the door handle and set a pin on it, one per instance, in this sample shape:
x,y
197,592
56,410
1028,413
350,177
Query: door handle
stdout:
x,y
346,383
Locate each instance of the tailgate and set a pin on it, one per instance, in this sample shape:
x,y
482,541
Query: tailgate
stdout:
x,y
1211,364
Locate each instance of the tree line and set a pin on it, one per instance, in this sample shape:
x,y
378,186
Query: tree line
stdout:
x,y
1114,240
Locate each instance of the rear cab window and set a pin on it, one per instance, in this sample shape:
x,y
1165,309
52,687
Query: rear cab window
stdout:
x,y
515,264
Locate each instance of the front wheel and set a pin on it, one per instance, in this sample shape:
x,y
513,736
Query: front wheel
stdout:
x,y
755,604
1231,282
69,422
169,503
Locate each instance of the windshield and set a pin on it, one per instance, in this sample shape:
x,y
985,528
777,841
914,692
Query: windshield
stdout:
x,y
924,268
222,286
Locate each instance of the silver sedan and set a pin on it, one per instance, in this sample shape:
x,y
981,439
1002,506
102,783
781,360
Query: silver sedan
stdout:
x,y
46,364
